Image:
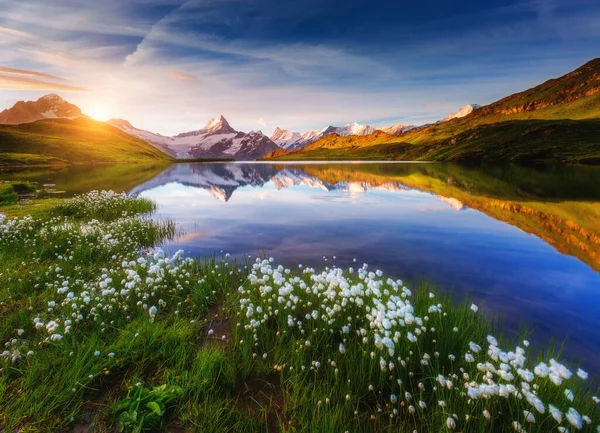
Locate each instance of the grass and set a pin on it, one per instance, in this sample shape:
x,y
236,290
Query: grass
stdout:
x,y
10,191
556,121
518,141
79,141
95,321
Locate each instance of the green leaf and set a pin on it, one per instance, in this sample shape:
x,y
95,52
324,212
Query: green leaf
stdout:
x,y
155,407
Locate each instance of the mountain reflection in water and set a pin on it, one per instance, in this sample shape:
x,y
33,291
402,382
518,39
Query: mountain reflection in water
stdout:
x,y
522,241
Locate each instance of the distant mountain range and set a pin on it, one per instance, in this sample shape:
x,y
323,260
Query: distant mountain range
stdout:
x,y
217,139
221,180
559,121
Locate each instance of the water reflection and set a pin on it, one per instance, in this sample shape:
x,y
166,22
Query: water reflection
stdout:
x,y
523,241
467,229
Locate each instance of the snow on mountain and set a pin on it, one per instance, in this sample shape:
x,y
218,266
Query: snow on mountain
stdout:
x,y
462,112
217,139
397,129
295,140
50,106
221,180
159,141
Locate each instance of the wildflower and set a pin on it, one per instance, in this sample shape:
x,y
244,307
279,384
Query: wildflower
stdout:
x,y
582,374
475,348
393,399
422,404
469,357
529,416
569,394
342,348
556,413
474,308
487,414
450,423
574,418
152,313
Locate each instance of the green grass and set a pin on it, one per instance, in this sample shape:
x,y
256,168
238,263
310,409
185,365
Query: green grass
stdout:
x,y
79,141
556,121
10,191
118,320
522,141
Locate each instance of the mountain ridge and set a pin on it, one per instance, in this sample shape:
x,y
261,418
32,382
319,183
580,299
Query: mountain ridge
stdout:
x,y
525,126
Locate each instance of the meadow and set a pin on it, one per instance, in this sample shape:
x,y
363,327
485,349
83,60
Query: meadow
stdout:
x,y
105,331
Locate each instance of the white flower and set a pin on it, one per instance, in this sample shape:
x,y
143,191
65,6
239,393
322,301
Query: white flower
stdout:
x,y
450,423
469,357
582,374
569,394
574,418
152,312
529,416
342,349
475,348
556,413
487,415
474,308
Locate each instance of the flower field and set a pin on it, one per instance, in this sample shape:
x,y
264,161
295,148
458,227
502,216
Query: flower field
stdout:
x,y
104,331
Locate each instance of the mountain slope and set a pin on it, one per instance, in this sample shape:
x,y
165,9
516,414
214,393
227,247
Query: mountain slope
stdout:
x,y
217,139
550,122
80,141
159,141
47,107
295,140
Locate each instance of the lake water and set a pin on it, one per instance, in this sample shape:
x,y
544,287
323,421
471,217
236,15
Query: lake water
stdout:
x,y
524,243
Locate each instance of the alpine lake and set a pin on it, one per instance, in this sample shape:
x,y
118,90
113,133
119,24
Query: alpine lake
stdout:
x,y
521,242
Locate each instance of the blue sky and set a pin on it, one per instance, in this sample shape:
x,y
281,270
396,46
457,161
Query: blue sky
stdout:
x,y
169,65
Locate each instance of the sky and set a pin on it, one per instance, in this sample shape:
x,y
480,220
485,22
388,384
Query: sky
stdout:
x,y
169,65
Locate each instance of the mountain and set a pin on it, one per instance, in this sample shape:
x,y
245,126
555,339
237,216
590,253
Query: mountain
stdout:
x,y
221,180
462,112
217,139
47,107
295,140
159,141
68,141
556,121
397,129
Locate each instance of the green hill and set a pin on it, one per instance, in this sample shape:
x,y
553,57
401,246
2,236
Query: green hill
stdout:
x,y
555,121
78,141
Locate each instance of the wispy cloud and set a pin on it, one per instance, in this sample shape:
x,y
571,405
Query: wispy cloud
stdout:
x,y
24,72
172,64
178,75
22,83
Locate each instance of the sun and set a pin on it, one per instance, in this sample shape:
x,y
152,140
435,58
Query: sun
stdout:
x,y
98,113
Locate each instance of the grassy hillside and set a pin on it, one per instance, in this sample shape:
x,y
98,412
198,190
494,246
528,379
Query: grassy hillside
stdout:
x,y
64,141
554,121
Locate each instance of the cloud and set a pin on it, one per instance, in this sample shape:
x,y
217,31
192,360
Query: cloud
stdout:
x,y
16,33
178,75
23,83
24,72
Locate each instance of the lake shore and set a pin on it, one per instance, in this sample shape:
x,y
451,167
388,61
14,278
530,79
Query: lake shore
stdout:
x,y
99,321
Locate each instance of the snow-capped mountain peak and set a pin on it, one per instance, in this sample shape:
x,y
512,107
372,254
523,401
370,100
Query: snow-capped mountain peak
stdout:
x,y
50,106
218,125
462,112
216,140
